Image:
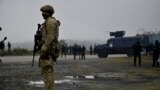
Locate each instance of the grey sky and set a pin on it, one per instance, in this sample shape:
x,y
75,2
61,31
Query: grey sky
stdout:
x,y
81,19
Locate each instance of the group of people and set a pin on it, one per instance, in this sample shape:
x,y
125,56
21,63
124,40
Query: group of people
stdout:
x,y
93,50
76,50
137,48
73,50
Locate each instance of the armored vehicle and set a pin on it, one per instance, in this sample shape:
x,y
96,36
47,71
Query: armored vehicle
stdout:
x,y
120,44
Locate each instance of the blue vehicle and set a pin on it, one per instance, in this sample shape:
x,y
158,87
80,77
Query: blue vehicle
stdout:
x,y
120,44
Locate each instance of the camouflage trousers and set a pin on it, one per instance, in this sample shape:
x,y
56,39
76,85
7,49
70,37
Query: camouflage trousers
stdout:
x,y
47,73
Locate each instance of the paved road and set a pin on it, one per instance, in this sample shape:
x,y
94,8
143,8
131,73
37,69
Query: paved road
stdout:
x,y
29,58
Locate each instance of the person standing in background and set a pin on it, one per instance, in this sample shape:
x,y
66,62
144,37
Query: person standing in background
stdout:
x,y
156,52
137,48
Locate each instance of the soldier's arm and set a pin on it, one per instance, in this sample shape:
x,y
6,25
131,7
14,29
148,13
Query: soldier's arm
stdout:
x,y
51,28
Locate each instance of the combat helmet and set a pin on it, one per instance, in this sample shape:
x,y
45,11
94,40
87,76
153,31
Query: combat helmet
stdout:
x,y
47,9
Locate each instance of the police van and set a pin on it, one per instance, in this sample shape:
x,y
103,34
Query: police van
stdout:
x,y
123,45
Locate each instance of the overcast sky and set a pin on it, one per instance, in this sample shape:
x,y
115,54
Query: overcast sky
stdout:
x,y
80,19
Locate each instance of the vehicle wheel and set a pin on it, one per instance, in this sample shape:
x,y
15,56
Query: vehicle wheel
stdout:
x,y
129,52
102,53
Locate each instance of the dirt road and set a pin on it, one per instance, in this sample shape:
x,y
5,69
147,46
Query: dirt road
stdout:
x,y
113,73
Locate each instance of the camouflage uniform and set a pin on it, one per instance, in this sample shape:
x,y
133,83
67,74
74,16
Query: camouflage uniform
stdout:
x,y
49,43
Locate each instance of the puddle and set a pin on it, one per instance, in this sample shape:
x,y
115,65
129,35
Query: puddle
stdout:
x,y
41,83
80,77
100,75
37,83
70,79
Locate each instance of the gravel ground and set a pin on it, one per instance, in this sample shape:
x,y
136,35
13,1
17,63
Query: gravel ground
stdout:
x,y
113,73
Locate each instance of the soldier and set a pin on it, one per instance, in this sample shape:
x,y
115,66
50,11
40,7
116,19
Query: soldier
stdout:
x,y
90,49
83,52
62,50
66,49
69,50
137,48
49,43
94,50
156,52
2,46
9,48
79,51
74,51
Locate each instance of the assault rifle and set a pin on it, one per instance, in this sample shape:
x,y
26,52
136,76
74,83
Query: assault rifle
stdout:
x,y
37,39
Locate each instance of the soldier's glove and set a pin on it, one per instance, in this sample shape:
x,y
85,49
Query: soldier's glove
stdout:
x,y
43,55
